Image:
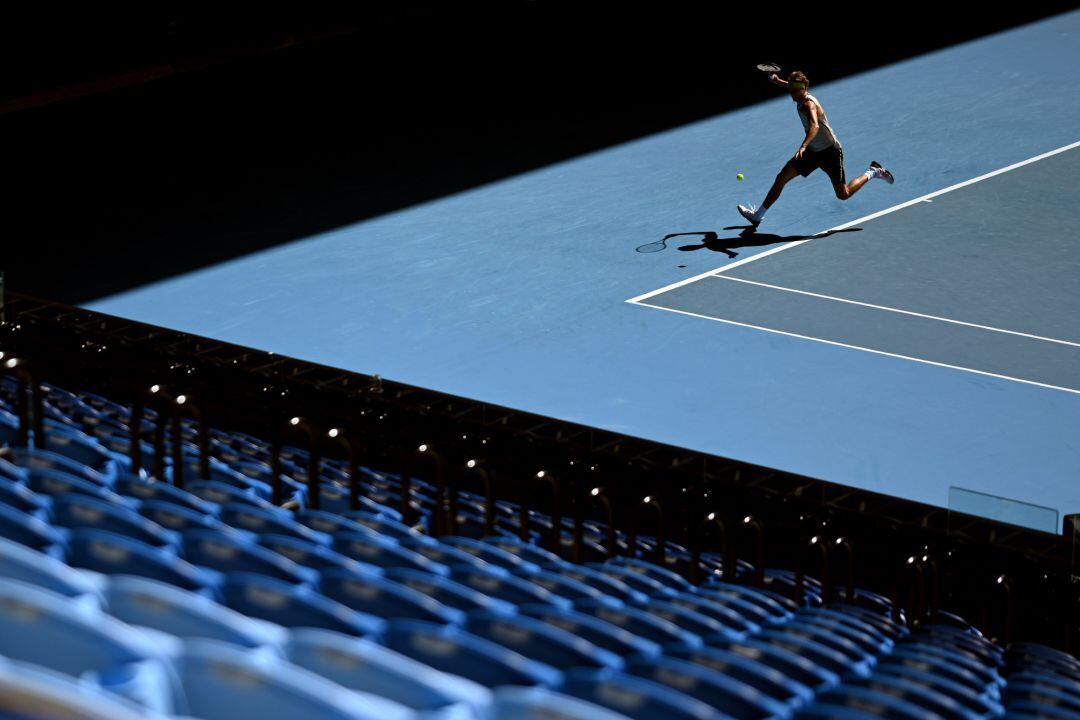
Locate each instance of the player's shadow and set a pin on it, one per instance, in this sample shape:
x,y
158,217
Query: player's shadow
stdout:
x,y
747,237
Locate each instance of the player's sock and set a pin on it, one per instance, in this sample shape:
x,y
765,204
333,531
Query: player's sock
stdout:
x,y
760,213
870,174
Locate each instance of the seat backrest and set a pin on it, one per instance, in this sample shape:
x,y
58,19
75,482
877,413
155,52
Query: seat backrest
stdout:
x,y
153,604
293,606
221,682
366,666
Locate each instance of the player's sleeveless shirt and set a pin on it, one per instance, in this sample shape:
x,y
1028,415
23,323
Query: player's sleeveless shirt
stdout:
x,y
825,137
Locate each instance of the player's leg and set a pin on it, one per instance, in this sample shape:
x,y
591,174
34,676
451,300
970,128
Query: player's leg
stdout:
x,y
755,215
846,190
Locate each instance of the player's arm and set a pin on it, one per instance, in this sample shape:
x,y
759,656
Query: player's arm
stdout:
x,y
777,80
811,110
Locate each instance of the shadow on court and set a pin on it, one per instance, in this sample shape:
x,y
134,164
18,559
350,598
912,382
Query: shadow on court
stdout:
x,y
747,237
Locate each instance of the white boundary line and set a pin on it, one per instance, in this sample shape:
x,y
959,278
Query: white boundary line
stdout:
x,y
865,349
898,310
872,216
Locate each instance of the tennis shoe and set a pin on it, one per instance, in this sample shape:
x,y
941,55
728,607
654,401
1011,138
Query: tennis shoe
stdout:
x,y
881,173
751,214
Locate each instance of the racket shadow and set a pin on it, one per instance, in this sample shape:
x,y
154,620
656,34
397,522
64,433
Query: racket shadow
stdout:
x,y
747,237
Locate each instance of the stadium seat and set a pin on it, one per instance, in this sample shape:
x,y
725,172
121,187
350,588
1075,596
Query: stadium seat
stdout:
x,y
726,614
635,697
726,694
448,592
572,590
230,553
654,571
491,554
18,562
31,531
526,551
610,586
452,650
141,489
183,520
759,675
82,511
34,693
440,552
643,624
55,482
36,460
292,606
313,555
541,641
516,703
149,603
499,583
786,660
362,665
598,632
374,549
78,639
264,522
220,682
15,494
384,598
114,554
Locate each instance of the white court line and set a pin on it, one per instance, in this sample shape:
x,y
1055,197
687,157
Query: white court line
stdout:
x,y
898,310
864,349
872,216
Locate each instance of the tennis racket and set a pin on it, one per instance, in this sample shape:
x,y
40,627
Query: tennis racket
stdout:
x,y
768,68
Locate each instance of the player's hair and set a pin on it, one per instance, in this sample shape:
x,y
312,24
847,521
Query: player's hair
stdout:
x,y
799,77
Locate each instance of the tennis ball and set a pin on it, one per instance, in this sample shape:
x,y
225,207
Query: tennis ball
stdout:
x,y
739,176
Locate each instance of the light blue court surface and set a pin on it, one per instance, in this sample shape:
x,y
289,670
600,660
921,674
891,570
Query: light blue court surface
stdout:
x,y
515,293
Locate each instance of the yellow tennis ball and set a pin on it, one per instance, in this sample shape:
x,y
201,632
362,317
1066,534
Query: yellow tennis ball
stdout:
x,y
739,176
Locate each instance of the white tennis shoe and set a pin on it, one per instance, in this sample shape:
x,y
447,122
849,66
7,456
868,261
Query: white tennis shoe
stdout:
x,y
751,214
881,173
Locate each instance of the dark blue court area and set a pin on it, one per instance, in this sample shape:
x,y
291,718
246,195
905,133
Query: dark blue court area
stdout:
x,y
930,343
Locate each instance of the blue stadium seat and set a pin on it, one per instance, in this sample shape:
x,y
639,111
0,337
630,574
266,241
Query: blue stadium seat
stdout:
x,y
31,531
910,690
1042,693
440,552
362,665
541,641
13,472
972,700
643,624
788,661
598,632
903,659
656,572
705,627
141,489
330,523
384,552
152,604
610,586
526,551
113,554
18,562
572,590
825,656
752,611
825,638
82,511
181,519
384,598
924,650
759,675
635,697
515,703
220,493
725,614
15,494
449,593
452,650
76,638
499,583
637,580
55,482
29,692
231,553
35,460
265,522
222,473
383,525
220,682
779,606
863,636
875,703
314,555
493,555
728,695
81,448
292,605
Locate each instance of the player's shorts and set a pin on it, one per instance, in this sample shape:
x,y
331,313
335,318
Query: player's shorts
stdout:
x,y
831,160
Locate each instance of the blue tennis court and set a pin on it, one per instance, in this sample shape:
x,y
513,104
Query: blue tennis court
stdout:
x,y
929,344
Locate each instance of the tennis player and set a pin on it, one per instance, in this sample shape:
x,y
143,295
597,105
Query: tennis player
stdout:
x,y
820,149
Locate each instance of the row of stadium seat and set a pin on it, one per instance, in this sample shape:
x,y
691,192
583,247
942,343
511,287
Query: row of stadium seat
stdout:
x,y
122,595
